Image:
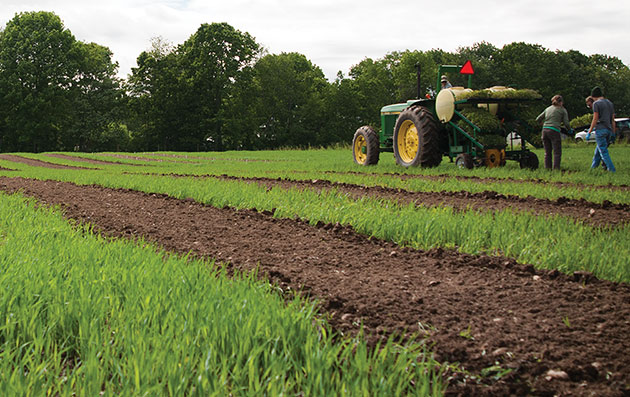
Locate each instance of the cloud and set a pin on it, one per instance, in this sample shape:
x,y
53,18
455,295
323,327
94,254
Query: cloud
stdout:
x,y
336,34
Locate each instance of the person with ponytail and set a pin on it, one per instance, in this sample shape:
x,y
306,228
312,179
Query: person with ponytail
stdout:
x,y
553,118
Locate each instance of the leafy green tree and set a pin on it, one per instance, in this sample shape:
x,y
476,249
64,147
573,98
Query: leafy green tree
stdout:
x,y
482,55
404,66
289,101
613,76
212,60
374,87
238,114
531,66
115,138
97,99
37,64
341,106
55,92
579,82
570,74
156,98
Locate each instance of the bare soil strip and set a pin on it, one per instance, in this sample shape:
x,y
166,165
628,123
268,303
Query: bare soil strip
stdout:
x,y
38,163
184,156
139,158
87,160
558,334
181,156
604,214
600,215
445,177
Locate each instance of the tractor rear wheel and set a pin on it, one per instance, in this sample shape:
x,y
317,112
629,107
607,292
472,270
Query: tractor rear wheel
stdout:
x,y
529,160
365,146
416,138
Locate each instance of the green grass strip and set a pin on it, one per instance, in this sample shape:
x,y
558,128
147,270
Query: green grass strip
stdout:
x,y
83,315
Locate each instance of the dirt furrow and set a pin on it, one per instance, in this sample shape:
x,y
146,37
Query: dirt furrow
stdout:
x,y
595,214
87,160
244,160
139,158
445,177
37,163
483,312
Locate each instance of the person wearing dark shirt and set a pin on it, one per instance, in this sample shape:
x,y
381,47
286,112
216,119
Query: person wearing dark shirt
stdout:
x,y
604,126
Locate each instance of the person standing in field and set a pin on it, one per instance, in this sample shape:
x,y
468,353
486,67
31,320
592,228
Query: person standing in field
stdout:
x,y
604,125
589,104
553,118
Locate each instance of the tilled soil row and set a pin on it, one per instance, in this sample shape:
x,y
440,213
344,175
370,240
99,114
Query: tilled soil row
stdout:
x,y
185,156
139,158
558,334
605,214
87,160
445,177
38,163
595,214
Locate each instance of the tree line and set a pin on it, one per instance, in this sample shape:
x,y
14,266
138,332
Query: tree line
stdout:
x,y
219,90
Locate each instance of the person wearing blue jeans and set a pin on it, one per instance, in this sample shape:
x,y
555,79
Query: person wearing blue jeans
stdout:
x,y
604,125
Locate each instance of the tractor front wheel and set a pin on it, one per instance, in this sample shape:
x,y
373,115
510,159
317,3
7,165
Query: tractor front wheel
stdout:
x,y
365,146
416,138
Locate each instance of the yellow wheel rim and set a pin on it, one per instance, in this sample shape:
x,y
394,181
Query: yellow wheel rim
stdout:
x,y
407,141
493,158
360,149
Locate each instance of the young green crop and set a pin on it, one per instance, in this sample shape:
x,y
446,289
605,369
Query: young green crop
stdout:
x,y
578,182
83,315
547,242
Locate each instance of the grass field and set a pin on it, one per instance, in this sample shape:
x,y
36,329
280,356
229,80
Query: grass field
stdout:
x,y
84,315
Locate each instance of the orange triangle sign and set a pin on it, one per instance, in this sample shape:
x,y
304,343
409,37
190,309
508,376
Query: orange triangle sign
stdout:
x,y
467,68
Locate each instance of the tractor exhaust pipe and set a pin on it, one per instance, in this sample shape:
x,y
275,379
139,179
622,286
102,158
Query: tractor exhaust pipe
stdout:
x,y
418,81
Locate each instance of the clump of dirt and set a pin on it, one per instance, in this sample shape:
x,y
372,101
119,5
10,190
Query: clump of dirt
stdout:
x,y
514,329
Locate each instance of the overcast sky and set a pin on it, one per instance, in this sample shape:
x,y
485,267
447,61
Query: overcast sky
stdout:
x,y
336,34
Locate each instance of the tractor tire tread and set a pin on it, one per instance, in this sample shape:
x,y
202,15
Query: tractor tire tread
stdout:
x,y
372,142
429,154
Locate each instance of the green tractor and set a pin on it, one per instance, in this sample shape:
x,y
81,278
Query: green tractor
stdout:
x,y
473,128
